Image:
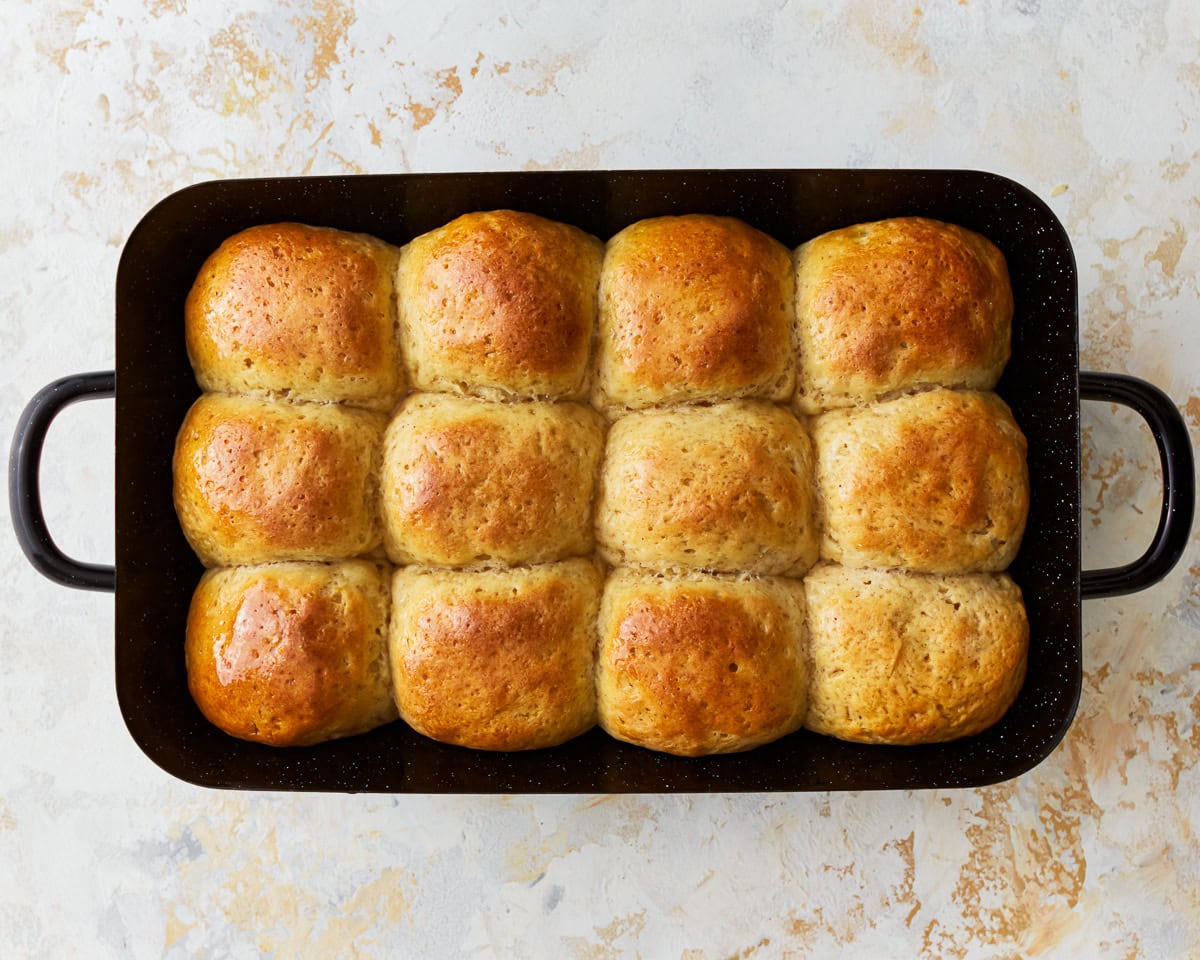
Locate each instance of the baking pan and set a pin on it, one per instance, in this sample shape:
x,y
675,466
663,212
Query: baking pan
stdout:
x,y
155,571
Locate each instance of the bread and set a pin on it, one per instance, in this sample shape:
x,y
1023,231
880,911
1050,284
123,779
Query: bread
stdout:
x,y
499,304
506,405
726,488
695,664
469,481
496,659
884,308
291,654
907,658
257,481
935,482
693,308
292,311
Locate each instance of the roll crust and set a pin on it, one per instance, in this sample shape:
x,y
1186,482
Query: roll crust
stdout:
x,y
469,481
888,307
257,481
695,664
499,303
906,658
693,307
724,488
291,654
291,311
935,482
496,659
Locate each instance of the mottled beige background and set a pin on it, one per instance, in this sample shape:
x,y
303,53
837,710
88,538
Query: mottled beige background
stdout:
x,y
108,106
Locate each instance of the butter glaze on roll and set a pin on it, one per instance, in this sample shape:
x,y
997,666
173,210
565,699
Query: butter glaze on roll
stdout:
x,y
257,480
935,482
693,307
725,488
496,659
695,664
906,658
292,311
291,654
499,304
469,481
888,307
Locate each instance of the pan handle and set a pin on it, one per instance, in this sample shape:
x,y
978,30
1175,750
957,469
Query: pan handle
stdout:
x,y
1179,484
24,486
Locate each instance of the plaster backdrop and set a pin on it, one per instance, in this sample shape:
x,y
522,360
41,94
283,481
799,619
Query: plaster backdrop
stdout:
x,y
109,106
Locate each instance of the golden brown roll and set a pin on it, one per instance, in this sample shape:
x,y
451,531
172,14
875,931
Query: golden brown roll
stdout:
x,y
469,481
693,308
291,654
726,488
935,482
290,311
258,480
891,306
496,659
499,304
695,663
907,658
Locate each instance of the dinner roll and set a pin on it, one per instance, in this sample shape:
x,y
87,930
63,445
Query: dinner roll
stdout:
x,y
726,487
935,482
290,311
891,306
258,480
693,307
499,304
496,659
695,663
291,654
469,481
905,658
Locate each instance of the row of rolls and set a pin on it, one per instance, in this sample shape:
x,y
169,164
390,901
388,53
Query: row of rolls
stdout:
x,y
509,482
683,309
684,662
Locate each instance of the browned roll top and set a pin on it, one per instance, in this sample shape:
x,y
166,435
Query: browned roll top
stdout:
x,y
500,303
289,310
694,307
291,654
889,306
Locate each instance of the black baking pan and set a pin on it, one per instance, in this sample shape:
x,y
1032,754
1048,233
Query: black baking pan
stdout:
x,y
155,571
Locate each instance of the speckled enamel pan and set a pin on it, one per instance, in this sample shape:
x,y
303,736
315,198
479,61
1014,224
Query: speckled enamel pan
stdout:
x,y
156,572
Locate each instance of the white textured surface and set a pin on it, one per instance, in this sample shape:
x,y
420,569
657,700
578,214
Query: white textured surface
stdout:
x,y
107,107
